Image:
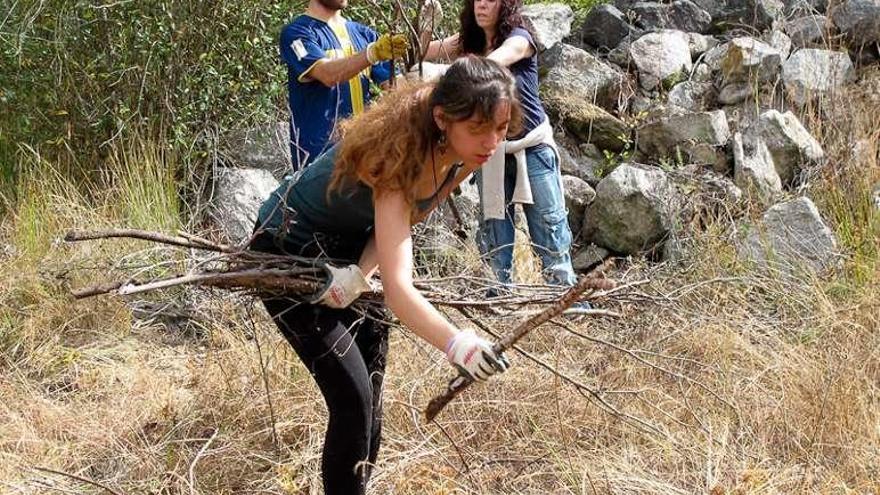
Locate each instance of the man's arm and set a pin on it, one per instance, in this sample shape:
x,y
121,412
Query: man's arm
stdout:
x,y
332,72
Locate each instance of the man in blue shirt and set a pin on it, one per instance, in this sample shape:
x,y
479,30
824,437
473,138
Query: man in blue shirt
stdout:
x,y
331,63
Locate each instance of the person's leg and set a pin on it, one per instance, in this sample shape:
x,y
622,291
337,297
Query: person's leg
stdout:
x,y
372,340
547,217
323,339
495,237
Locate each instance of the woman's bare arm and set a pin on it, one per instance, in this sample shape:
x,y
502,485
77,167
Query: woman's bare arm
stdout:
x,y
445,50
394,253
511,51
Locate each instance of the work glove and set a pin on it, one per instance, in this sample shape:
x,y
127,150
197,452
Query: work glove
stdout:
x,y
344,285
474,356
430,15
386,47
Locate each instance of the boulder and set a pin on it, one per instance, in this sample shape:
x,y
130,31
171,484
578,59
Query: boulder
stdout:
x,y
577,74
692,96
735,93
585,121
748,60
578,195
585,161
790,144
811,73
679,137
781,42
238,194
663,57
683,15
859,20
753,169
264,147
605,27
791,236
551,22
759,14
701,43
807,31
633,211
588,257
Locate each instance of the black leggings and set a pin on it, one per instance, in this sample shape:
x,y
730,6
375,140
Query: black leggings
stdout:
x,y
345,353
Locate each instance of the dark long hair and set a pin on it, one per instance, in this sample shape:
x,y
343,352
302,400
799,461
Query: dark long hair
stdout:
x,y
471,37
385,146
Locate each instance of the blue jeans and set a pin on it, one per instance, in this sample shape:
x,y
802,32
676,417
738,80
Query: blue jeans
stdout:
x,y
547,221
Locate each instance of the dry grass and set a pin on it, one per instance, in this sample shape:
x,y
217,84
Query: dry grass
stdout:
x,y
747,384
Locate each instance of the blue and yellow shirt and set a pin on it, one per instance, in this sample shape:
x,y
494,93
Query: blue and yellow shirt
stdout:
x,y
315,108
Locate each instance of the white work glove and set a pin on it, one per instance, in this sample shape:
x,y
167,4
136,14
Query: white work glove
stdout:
x,y
430,72
344,285
474,356
430,15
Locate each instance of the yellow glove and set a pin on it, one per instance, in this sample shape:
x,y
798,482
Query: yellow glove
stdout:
x,y
386,47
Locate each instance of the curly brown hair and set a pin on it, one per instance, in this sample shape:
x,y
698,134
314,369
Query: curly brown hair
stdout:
x,y
471,37
386,146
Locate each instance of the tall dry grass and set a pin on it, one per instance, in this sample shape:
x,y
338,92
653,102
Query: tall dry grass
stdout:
x,y
717,379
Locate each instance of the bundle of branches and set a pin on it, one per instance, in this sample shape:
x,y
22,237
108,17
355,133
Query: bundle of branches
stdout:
x,y
260,273
237,269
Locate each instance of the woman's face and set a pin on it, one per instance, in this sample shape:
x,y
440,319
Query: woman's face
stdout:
x,y
474,140
486,12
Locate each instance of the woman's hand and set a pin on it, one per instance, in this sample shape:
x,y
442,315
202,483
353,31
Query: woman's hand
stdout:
x,y
344,285
474,356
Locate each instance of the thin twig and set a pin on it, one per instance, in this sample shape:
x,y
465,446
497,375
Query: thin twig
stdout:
x,y
199,454
78,478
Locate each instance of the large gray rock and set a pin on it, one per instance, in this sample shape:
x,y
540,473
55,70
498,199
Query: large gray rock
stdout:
x,y
735,93
810,73
807,31
753,169
633,211
578,194
577,74
759,14
748,60
264,147
238,194
793,148
685,136
781,42
551,21
682,15
605,27
588,257
620,54
585,161
661,58
792,236
859,20
701,43
585,121
692,96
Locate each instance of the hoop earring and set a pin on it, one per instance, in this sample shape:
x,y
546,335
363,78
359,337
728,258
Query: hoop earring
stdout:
x,y
442,142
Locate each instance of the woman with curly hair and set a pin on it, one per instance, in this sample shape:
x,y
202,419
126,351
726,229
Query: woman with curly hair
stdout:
x,y
526,168
356,204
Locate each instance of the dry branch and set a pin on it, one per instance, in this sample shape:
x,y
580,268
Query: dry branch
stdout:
x,y
460,383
